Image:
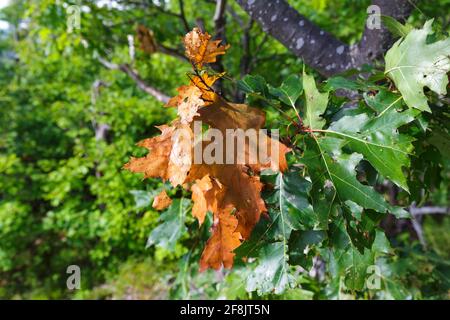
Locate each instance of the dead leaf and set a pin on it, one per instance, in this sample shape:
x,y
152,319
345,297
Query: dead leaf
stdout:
x,y
224,116
207,195
205,83
188,101
231,191
169,156
161,201
146,39
180,158
219,248
200,49
242,192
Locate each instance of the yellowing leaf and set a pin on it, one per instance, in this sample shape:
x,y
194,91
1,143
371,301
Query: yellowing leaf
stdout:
x,y
200,49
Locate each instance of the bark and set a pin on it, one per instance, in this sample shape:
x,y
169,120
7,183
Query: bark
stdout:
x,y
318,48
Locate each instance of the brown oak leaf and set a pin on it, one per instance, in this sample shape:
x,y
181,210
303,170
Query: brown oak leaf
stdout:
x,y
242,192
188,101
169,156
229,187
207,195
205,83
219,248
161,201
146,39
224,116
200,49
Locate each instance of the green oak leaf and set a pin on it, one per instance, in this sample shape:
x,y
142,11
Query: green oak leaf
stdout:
x,y
172,227
289,207
347,262
316,103
289,91
253,84
395,27
180,287
376,137
289,210
360,224
272,273
142,198
393,286
339,82
301,244
413,64
327,165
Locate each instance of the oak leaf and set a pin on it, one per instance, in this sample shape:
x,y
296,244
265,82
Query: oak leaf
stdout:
x,y
242,192
200,49
197,94
205,83
413,64
224,116
240,180
215,186
180,158
169,156
219,248
161,201
230,190
207,195
188,101
146,39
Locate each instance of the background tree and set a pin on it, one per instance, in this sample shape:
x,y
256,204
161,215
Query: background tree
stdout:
x,y
74,103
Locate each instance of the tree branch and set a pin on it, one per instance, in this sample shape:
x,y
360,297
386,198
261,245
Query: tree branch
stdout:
x,y
183,16
219,30
161,9
417,218
158,95
219,19
246,59
319,49
428,210
172,52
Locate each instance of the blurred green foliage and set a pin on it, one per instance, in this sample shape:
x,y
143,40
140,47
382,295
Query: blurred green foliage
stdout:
x,y
63,197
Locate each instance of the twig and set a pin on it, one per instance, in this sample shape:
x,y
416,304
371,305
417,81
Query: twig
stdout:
x,y
429,211
182,16
417,216
172,52
158,95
